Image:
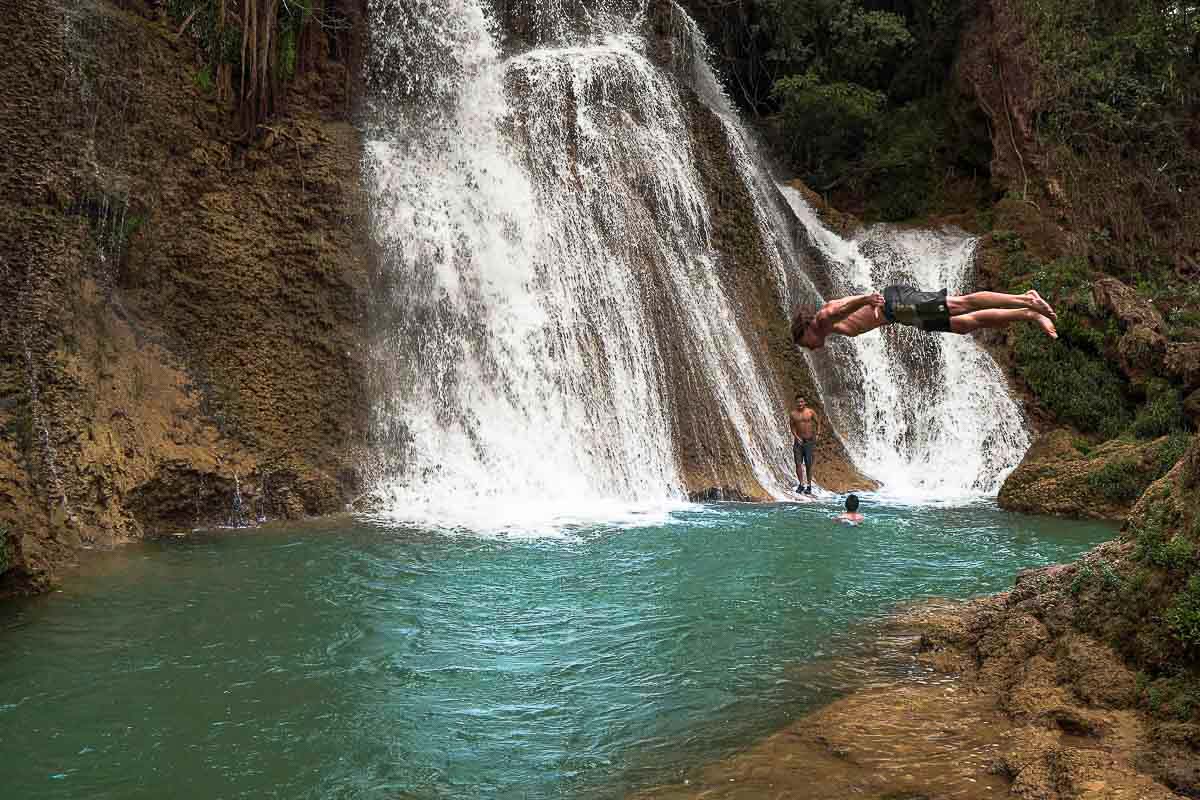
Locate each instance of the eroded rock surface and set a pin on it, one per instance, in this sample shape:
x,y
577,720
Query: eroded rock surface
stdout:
x,y
182,306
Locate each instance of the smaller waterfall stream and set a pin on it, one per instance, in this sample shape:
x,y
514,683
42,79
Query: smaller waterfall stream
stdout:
x,y
932,417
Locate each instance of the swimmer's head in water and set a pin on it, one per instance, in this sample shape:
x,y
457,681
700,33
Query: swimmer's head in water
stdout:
x,y
852,503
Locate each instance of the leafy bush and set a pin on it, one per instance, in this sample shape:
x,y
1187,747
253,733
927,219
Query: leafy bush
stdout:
x,y
1123,481
1159,540
1176,695
1170,452
1183,617
1120,481
1079,388
4,562
828,123
1162,413
203,79
898,166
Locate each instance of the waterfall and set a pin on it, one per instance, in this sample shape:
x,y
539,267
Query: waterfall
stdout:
x,y
930,416
550,284
551,299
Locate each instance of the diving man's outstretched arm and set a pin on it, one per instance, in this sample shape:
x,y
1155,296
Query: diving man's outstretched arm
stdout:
x,y
835,311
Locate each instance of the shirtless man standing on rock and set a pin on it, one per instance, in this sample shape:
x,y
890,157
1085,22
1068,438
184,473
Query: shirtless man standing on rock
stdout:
x,y
805,428
927,311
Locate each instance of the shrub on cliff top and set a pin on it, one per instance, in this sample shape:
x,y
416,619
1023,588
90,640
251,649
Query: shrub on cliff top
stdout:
x,y
1123,481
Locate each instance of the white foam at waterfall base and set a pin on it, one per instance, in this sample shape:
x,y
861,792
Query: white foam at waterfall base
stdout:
x,y
534,234
953,438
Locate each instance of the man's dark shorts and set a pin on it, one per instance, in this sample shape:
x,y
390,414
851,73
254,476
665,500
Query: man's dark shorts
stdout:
x,y
802,451
909,306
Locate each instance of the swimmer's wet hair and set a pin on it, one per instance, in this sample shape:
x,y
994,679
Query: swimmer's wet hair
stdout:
x,y
852,503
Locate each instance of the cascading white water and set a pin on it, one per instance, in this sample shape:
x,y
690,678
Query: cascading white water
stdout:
x,y
540,216
933,417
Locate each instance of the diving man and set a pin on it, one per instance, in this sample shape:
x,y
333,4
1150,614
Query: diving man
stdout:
x,y
927,311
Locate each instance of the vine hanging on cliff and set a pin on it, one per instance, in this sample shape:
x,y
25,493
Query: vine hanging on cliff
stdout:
x,y
252,48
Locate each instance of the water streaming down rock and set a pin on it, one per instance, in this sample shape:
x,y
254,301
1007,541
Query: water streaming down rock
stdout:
x,y
557,329
933,417
554,294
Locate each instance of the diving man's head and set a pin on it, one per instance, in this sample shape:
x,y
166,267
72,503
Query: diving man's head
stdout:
x,y
803,334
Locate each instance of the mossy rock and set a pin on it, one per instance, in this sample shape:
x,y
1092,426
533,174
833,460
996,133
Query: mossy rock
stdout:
x,y
1057,477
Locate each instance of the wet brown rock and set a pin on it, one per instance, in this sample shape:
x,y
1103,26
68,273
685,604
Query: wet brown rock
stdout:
x,y
1183,362
1043,768
1130,309
1094,672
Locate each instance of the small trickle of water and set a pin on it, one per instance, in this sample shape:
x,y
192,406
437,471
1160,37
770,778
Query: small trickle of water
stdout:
x,y
237,513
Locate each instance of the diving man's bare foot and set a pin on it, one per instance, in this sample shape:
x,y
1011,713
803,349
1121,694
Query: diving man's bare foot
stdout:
x,y
1046,325
1039,305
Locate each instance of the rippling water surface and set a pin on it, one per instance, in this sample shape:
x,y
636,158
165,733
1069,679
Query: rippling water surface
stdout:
x,y
347,658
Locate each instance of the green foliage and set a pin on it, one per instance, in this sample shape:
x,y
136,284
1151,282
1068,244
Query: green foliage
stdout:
x,y
219,44
1184,319
1162,413
1077,386
1083,576
1087,573
203,79
1108,576
1071,375
1176,696
899,164
829,123
1183,617
1119,74
862,98
292,18
227,53
1122,481
1160,543
836,40
1169,453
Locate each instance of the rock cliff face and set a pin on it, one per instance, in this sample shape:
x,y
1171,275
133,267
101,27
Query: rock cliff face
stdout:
x,y
180,342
